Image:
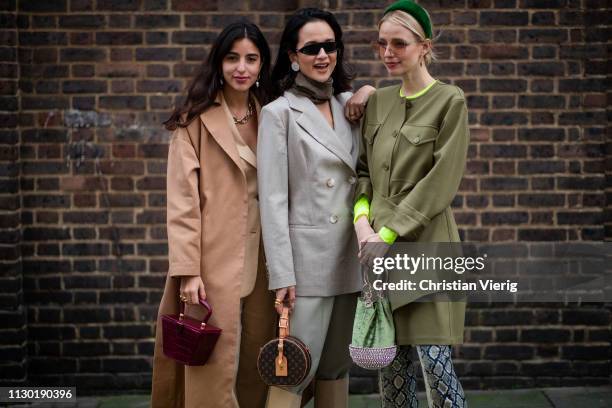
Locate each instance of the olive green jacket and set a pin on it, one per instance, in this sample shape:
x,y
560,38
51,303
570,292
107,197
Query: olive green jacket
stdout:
x,y
411,161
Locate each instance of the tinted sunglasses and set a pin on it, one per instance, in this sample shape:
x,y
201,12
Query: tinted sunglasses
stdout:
x,y
313,49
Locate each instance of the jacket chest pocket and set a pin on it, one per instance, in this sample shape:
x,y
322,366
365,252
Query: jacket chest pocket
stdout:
x,y
412,155
418,136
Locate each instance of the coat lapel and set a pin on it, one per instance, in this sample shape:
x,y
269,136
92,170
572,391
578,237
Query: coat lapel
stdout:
x,y
244,151
216,121
311,120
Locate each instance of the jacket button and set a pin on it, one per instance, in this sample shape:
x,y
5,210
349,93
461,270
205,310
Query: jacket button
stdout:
x,y
394,134
331,182
417,139
386,167
352,180
333,219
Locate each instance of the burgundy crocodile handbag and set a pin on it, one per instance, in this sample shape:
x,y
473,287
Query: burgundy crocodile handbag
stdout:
x,y
187,340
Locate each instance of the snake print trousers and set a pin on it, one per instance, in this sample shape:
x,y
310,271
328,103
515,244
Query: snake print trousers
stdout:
x,y
398,381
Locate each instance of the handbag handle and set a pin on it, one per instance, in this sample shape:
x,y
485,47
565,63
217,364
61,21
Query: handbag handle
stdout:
x,y
368,293
206,305
280,362
283,323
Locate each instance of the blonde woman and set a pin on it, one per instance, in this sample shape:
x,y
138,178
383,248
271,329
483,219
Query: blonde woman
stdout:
x,y
413,151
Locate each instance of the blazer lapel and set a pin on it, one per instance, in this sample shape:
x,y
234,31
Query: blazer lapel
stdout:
x,y
344,131
313,123
216,121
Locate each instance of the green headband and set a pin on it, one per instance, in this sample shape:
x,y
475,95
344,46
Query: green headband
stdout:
x,y
415,11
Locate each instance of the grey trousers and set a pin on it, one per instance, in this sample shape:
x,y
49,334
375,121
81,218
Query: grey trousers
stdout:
x,y
325,325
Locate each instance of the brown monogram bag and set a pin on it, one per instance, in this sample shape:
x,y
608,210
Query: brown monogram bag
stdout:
x,y
284,361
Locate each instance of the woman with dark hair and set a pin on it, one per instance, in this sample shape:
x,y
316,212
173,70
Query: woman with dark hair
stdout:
x,y
308,152
213,226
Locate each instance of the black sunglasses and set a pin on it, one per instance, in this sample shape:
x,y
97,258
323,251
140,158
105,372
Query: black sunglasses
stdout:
x,y
313,49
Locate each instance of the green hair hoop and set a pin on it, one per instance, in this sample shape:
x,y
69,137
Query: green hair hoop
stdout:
x,y
415,11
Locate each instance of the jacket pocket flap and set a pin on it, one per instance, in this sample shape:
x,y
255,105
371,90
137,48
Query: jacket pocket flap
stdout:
x,y
370,130
419,134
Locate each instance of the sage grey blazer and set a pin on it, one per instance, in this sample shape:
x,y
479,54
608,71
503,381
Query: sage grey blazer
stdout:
x,y
306,177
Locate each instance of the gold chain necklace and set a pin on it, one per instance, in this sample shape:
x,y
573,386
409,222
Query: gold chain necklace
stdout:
x,y
250,111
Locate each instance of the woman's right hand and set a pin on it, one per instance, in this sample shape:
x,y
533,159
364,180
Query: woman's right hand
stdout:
x,y
192,289
285,296
363,230
355,106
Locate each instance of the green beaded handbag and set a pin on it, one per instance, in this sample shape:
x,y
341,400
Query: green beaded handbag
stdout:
x,y
373,344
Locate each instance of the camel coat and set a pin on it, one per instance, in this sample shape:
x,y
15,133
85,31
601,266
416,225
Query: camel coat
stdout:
x,y
208,207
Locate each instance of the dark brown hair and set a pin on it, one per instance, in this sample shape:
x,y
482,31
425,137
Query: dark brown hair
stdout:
x,y
203,89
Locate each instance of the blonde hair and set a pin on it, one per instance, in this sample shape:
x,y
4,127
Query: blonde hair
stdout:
x,y
407,21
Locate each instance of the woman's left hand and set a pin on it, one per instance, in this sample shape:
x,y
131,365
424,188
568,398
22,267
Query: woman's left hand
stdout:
x,y
355,106
374,247
363,230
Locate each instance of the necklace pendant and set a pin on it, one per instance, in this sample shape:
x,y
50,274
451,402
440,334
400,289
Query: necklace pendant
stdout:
x,y
250,111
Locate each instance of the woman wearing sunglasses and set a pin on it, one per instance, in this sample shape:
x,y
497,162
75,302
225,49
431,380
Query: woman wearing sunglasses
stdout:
x,y
413,153
307,152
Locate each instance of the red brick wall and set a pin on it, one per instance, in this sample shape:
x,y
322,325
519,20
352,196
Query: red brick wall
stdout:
x,y
85,85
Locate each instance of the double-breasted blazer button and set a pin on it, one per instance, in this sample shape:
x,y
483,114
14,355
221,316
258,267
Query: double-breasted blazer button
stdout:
x,y
331,182
352,180
386,167
333,219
